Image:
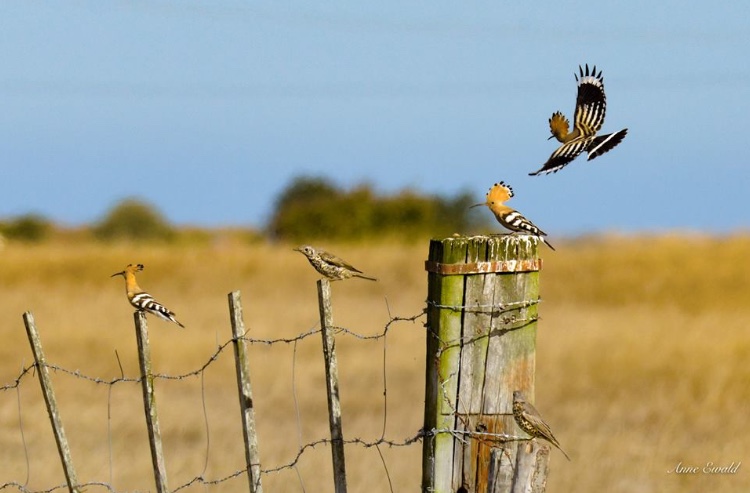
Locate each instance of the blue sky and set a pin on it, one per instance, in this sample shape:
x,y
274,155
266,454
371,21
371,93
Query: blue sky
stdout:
x,y
209,109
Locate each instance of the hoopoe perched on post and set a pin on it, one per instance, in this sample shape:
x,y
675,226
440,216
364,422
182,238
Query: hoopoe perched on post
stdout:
x,y
140,299
591,106
531,422
331,266
507,216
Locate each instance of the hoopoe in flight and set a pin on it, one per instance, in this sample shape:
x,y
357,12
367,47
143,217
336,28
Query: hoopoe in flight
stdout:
x,y
141,299
331,266
509,217
591,105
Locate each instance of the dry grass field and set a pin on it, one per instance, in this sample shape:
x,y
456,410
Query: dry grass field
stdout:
x,y
642,363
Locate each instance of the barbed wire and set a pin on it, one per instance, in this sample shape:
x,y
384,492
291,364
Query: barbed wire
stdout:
x,y
506,317
303,448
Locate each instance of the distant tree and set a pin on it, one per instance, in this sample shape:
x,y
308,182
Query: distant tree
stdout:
x,y
133,219
303,209
312,208
29,227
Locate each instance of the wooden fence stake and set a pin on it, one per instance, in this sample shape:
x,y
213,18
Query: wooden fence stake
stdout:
x,y
532,464
332,385
481,344
252,456
149,402
49,399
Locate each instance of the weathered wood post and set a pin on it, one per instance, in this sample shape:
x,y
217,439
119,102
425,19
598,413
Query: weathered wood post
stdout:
x,y
247,405
49,399
332,386
481,342
149,402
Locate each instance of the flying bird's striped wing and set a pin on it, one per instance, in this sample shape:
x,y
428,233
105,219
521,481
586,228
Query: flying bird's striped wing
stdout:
x,y
564,155
605,143
591,103
144,301
338,262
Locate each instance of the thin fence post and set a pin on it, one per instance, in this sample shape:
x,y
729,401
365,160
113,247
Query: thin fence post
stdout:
x,y
252,456
481,344
332,385
149,402
49,399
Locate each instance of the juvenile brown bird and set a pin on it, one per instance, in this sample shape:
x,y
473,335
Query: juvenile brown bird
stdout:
x,y
141,299
508,217
591,106
531,422
331,266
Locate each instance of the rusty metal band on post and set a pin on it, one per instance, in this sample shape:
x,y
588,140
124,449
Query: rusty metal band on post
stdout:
x,y
495,266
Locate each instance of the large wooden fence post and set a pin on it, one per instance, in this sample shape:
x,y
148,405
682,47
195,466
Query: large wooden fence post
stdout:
x,y
481,343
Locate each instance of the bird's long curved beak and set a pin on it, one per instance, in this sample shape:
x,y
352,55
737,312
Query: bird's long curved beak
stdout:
x,y
550,137
476,205
298,249
118,274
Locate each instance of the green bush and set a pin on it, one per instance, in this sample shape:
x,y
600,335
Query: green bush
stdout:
x,y
30,228
312,208
133,219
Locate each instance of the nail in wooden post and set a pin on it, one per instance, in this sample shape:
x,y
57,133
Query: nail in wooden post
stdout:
x,y
149,402
51,402
332,385
252,456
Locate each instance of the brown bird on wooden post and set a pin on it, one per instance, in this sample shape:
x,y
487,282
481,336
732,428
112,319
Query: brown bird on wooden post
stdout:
x,y
331,266
531,422
141,299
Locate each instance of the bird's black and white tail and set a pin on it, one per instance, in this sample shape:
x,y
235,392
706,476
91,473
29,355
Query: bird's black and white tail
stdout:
x,y
515,221
605,143
144,301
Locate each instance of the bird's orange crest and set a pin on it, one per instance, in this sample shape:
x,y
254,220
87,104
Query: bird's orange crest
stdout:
x,y
499,193
559,126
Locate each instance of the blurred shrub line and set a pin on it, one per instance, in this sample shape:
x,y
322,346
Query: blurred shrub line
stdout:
x,y
308,209
132,219
312,208
28,228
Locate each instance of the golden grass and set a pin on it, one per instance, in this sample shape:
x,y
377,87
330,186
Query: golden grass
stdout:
x,y
641,363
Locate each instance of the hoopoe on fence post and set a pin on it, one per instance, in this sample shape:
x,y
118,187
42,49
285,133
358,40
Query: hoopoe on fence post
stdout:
x,y
140,299
591,106
509,217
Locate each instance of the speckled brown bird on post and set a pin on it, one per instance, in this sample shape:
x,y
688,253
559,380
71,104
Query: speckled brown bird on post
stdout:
x,y
331,266
531,422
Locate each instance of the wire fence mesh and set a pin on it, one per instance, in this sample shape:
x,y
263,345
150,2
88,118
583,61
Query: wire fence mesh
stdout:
x,y
111,458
